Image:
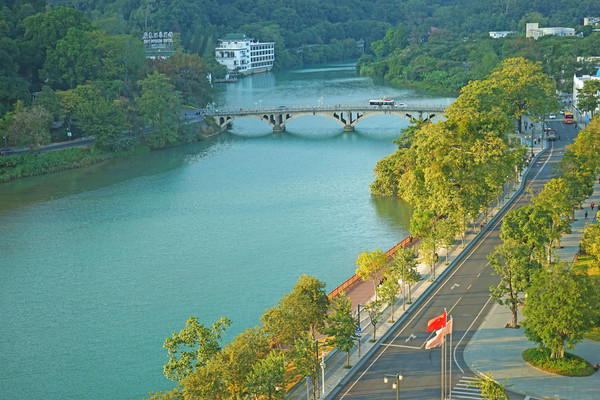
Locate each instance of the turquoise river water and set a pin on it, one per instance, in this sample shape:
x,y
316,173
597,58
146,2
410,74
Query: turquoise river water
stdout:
x,y
99,265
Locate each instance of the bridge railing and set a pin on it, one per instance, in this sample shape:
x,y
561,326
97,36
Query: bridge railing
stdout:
x,y
325,107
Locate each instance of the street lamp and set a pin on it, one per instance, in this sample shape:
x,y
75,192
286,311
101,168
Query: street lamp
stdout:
x,y
5,145
396,383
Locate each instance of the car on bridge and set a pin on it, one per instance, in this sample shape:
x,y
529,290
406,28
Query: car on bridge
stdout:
x,y
401,105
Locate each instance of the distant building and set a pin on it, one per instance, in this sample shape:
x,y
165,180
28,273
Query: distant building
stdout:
x,y
534,31
158,44
578,82
240,53
591,21
500,34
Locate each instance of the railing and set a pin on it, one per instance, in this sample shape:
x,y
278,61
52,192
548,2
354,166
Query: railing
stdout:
x,y
354,279
325,107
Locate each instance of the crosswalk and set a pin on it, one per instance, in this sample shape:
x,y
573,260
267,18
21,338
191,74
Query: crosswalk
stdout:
x,y
462,390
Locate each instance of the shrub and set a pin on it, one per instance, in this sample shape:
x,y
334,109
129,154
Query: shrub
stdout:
x,y
569,365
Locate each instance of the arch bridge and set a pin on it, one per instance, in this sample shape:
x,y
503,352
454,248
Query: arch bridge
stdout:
x,y
347,115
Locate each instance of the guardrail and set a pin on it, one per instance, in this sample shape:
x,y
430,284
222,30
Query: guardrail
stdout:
x,y
354,279
325,107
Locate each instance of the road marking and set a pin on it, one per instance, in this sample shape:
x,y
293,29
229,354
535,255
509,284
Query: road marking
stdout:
x,y
469,287
412,336
455,286
463,390
401,345
432,296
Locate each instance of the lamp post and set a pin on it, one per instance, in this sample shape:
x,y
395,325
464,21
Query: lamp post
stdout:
x,y
396,383
5,145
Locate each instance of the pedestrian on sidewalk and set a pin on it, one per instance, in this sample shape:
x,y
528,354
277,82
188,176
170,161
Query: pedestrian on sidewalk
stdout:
x,y
592,205
585,214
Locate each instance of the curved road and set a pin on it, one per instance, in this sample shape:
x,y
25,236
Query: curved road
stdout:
x,y
464,292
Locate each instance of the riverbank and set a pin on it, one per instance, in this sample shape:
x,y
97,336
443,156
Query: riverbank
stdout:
x,y
54,157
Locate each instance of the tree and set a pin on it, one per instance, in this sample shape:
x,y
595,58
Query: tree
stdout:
x,y
195,345
559,308
389,290
405,262
159,107
102,118
587,98
370,265
590,242
341,326
238,359
447,229
375,310
511,261
267,377
300,312
490,389
188,73
305,356
557,199
412,276
525,87
30,127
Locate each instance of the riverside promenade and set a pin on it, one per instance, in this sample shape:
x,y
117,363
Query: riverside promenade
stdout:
x,y
493,348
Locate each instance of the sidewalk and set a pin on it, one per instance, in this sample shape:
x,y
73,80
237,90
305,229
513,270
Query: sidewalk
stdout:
x,y
478,354
497,349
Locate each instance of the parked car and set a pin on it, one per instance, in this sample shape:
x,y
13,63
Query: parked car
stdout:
x,y
552,116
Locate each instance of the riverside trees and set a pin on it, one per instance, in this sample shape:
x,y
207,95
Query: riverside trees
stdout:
x,y
560,304
454,168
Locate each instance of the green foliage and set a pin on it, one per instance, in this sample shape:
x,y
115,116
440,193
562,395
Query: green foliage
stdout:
x,y
306,360
375,311
188,74
193,345
513,264
490,389
341,326
159,108
559,309
30,128
267,377
569,365
300,312
369,266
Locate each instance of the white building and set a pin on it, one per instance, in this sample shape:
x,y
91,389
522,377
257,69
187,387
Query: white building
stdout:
x,y
578,82
533,30
500,34
241,54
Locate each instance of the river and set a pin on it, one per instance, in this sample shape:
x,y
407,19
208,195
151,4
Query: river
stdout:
x,y
100,264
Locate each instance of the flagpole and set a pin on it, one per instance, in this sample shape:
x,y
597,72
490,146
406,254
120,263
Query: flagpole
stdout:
x,y
450,377
442,348
444,355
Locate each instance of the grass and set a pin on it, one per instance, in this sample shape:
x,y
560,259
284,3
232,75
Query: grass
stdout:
x,y
594,334
570,365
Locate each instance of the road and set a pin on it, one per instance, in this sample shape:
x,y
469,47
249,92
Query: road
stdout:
x,y
464,293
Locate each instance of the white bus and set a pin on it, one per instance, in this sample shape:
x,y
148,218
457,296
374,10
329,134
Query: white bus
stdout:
x,y
381,102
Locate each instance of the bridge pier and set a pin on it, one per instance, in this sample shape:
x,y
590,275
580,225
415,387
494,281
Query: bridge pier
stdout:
x,y
348,128
278,128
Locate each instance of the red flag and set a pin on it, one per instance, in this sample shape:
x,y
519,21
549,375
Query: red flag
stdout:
x,y
437,340
436,323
